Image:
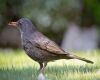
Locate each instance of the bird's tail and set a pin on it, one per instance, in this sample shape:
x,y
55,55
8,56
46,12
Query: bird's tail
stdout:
x,y
71,56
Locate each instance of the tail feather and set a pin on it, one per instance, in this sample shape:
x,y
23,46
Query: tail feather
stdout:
x,y
83,59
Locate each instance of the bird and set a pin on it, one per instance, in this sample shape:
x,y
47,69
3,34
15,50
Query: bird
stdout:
x,y
39,47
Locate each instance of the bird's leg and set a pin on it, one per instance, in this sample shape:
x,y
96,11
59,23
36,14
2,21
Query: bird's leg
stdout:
x,y
42,66
41,74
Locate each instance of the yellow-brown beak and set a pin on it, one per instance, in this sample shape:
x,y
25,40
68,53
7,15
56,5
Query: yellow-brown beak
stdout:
x,y
13,24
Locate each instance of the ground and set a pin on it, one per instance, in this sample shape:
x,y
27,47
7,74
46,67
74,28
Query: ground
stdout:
x,y
16,65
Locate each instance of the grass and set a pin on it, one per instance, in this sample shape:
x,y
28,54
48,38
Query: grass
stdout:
x,y
16,65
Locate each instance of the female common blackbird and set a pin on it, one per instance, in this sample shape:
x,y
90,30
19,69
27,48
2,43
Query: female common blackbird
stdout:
x,y
39,47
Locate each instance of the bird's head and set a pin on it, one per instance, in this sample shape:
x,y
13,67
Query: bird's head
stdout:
x,y
23,24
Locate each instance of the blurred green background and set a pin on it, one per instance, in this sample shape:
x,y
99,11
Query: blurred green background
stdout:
x,y
51,17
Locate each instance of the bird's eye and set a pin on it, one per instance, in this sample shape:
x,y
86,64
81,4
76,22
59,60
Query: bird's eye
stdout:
x,y
20,23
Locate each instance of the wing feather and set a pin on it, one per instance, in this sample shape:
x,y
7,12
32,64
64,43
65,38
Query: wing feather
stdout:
x,y
50,46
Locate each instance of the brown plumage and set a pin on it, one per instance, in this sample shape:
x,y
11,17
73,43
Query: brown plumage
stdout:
x,y
39,47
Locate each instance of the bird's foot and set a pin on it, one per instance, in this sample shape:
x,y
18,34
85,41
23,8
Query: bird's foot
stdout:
x,y
41,76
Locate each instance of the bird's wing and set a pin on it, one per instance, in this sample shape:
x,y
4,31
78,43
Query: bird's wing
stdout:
x,y
49,46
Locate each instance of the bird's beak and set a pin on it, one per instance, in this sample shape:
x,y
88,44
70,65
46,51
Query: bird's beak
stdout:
x,y
13,24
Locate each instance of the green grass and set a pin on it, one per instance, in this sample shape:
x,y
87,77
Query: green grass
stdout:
x,y
16,65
